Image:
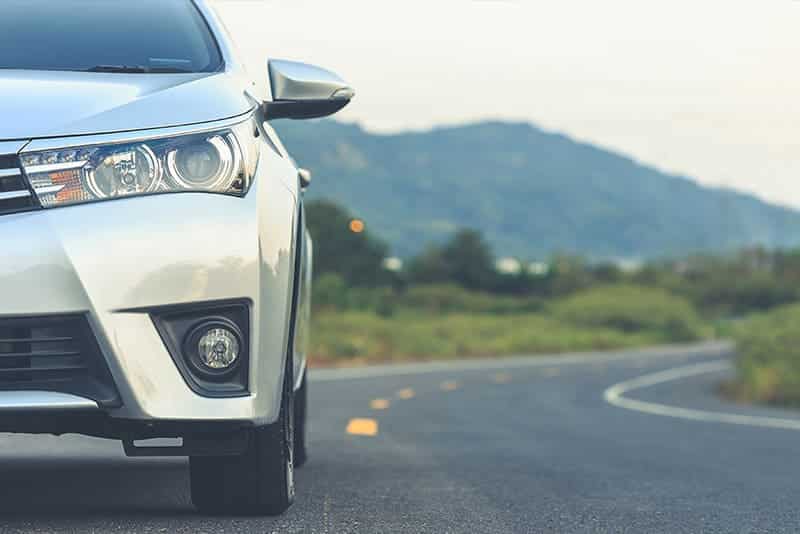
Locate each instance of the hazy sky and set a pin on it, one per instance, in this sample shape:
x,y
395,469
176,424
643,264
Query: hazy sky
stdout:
x,y
707,88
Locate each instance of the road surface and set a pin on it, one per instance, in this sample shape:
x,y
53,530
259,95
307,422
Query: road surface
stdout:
x,y
632,442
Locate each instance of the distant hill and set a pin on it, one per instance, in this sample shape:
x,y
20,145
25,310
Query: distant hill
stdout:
x,y
531,192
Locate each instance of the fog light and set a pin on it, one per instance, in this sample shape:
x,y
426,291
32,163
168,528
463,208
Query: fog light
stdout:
x,y
214,348
218,349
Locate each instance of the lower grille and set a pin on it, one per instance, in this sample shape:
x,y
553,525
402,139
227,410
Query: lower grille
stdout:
x,y
15,195
54,354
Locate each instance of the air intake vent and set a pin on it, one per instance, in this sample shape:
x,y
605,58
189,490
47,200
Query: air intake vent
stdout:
x,y
54,354
15,195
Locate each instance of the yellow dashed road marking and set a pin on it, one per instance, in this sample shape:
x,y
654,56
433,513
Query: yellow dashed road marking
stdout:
x,y
449,385
379,404
502,378
362,427
406,393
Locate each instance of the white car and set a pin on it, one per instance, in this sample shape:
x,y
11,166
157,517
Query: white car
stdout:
x,y
155,272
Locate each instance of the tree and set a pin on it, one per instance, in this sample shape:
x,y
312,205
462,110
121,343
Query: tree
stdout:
x,y
465,260
344,248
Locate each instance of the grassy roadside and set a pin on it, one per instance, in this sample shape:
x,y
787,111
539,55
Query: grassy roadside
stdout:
x,y
768,364
440,324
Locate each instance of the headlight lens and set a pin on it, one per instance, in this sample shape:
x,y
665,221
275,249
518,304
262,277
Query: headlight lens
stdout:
x,y
216,162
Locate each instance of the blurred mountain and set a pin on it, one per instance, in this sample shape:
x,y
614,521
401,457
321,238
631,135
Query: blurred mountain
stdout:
x,y
531,192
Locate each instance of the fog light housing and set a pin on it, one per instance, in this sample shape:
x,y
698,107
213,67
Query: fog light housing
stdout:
x,y
210,369
213,348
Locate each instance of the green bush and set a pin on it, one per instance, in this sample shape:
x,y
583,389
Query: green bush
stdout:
x,y
454,299
347,337
726,294
632,309
330,291
768,364
440,322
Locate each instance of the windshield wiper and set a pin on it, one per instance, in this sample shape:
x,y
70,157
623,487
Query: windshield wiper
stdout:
x,y
118,68
137,69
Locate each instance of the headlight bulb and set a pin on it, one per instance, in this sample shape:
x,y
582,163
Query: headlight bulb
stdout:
x,y
205,164
124,172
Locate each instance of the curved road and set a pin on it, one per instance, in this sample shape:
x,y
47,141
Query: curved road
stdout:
x,y
632,442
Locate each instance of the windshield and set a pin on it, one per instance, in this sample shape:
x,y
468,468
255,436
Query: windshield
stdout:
x,y
104,36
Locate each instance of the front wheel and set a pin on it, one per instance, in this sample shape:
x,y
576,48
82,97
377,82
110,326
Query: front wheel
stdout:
x,y
260,481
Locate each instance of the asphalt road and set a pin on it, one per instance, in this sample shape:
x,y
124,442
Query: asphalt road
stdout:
x,y
606,443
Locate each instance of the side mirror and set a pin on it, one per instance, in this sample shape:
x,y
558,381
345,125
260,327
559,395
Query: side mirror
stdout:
x,y
305,177
301,91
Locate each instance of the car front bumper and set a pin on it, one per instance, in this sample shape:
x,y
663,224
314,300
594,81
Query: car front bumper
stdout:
x,y
114,261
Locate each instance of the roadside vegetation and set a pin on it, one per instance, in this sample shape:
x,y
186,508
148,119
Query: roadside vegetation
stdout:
x,y
768,367
456,299
441,322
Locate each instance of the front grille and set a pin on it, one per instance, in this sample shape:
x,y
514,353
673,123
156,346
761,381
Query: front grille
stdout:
x,y
15,195
54,354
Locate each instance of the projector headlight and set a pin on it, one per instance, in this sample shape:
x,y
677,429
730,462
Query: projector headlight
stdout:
x,y
214,162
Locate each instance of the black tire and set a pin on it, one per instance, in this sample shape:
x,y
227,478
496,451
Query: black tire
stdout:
x,y
300,418
258,482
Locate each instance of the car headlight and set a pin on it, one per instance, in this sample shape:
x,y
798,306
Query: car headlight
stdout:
x,y
216,162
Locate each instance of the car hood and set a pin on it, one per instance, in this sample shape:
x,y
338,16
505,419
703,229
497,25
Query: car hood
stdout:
x,y
36,104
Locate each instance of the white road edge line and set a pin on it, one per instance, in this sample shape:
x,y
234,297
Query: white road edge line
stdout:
x,y
615,396
714,349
